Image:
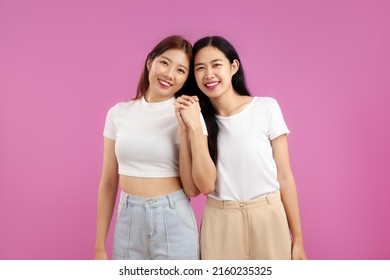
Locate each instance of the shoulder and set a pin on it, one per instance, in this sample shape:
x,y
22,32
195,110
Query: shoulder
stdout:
x,y
118,110
264,104
120,106
264,101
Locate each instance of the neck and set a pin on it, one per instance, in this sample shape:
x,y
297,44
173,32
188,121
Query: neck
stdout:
x,y
226,104
152,98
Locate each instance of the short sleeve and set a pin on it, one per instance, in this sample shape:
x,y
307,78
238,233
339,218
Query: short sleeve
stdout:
x,y
202,122
277,126
109,126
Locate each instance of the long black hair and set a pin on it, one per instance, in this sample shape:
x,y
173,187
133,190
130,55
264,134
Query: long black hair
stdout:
x,y
238,82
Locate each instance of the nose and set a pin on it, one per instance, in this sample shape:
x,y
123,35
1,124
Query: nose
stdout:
x,y
170,72
209,73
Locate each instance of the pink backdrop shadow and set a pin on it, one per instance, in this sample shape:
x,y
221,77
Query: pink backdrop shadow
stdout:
x,y
63,64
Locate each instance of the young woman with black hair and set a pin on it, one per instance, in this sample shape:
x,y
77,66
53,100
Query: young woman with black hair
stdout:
x,y
253,211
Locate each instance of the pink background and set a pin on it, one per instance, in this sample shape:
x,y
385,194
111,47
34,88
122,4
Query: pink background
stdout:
x,y
63,64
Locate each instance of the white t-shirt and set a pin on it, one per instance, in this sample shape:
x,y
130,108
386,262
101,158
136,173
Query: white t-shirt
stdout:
x,y
246,167
146,138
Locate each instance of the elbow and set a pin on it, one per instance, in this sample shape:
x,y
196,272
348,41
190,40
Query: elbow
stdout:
x,y
286,180
109,184
189,187
205,181
192,193
206,187
207,191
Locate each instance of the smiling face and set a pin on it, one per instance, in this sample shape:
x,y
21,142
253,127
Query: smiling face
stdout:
x,y
167,74
214,72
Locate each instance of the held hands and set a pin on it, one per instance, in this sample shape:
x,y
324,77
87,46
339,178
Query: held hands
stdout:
x,y
188,112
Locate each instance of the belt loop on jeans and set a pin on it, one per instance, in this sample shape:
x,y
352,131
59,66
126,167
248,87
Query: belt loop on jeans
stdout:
x,y
171,202
127,202
268,199
222,203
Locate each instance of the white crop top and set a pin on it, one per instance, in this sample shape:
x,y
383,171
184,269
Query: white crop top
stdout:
x,y
246,168
146,138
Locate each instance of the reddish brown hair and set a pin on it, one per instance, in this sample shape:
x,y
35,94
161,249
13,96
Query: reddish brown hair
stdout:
x,y
171,42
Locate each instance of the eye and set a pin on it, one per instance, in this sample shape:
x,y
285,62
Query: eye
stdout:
x,y
181,71
199,68
163,62
217,65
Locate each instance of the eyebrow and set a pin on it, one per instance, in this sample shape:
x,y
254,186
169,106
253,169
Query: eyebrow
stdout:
x,y
181,65
215,60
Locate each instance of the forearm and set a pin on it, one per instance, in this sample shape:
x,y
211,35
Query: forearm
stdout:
x,y
185,165
290,201
289,195
203,169
105,207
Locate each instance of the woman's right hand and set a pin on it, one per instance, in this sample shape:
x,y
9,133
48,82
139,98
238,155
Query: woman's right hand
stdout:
x,y
187,111
101,255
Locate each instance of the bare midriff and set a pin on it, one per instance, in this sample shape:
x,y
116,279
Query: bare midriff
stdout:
x,y
149,187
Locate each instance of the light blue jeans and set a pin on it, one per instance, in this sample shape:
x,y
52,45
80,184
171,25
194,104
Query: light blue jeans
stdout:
x,y
157,228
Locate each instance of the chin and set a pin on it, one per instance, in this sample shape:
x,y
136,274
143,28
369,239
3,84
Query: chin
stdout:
x,y
212,95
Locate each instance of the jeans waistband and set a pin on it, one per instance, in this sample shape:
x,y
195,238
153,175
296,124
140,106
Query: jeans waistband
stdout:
x,y
167,199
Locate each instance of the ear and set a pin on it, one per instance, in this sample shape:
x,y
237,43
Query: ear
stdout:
x,y
148,63
235,66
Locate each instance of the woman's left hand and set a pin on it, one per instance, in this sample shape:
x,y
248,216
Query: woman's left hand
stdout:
x,y
189,110
298,252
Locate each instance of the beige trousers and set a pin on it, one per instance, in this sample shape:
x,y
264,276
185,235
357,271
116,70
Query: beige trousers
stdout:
x,y
245,230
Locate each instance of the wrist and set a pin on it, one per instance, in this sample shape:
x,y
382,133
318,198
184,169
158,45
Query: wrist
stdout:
x,y
195,131
195,128
100,248
183,132
297,242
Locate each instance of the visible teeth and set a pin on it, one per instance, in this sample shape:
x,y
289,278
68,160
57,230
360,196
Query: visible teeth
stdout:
x,y
165,83
212,84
